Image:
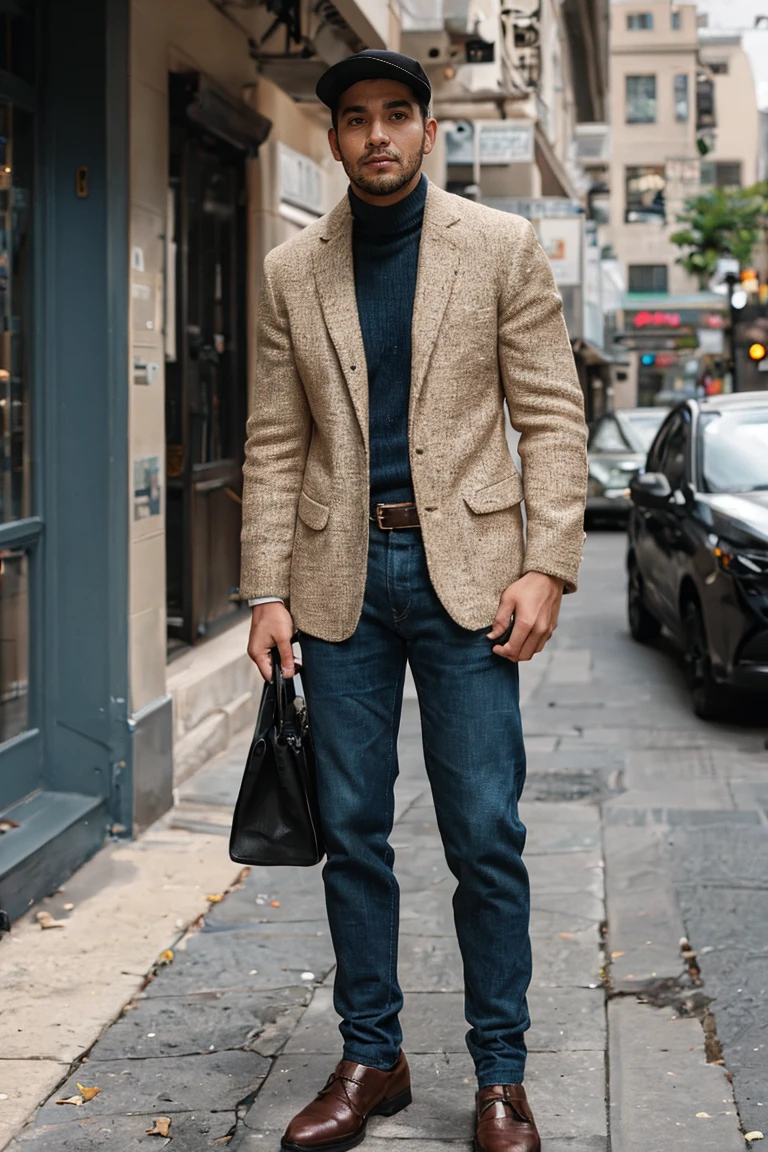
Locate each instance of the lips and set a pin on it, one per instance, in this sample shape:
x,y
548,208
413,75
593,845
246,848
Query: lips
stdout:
x,y
379,161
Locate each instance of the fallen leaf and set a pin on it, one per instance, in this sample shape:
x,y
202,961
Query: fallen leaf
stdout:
x,y
615,955
216,898
45,920
78,1101
7,826
565,935
165,958
703,1116
754,1136
161,1126
88,1093
68,907
720,1061
275,904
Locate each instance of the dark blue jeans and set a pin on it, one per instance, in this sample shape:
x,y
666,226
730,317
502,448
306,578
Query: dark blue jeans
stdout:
x,y
475,760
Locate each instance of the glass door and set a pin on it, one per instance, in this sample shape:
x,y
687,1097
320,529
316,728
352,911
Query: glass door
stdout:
x,y
205,394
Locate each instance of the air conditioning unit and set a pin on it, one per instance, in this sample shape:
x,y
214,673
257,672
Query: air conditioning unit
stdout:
x,y
593,144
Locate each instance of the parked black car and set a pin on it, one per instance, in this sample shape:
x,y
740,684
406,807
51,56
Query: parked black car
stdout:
x,y
618,445
697,558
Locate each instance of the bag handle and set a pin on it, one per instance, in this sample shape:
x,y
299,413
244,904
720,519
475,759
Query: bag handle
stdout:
x,y
284,690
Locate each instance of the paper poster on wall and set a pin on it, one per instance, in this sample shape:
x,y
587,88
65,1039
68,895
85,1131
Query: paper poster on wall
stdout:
x,y
146,487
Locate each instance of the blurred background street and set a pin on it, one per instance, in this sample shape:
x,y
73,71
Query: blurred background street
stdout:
x,y
152,152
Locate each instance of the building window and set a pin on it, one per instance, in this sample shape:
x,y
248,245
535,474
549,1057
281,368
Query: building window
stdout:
x,y
641,99
721,173
645,194
640,21
648,278
682,103
718,67
677,21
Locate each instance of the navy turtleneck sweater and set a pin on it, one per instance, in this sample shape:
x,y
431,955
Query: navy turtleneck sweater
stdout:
x,y
385,244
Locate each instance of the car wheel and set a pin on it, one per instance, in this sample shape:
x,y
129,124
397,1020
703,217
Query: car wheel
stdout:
x,y
643,626
707,697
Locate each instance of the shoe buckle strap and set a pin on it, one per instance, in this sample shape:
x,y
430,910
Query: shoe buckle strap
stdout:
x,y
504,1100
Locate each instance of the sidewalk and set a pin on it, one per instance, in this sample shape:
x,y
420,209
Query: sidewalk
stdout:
x,y
238,1032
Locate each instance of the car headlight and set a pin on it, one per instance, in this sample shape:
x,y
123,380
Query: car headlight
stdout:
x,y
740,561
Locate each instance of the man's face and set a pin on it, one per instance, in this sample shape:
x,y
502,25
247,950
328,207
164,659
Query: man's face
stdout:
x,y
381,137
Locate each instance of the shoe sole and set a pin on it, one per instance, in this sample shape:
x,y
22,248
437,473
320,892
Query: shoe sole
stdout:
x,y
386,1108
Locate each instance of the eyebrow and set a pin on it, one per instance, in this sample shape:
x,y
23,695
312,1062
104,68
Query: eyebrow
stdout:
x,y
390,104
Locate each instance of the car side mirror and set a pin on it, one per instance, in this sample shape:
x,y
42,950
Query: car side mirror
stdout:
x,y
650,489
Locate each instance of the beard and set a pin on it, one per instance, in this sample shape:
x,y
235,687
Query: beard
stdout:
x,y
384,183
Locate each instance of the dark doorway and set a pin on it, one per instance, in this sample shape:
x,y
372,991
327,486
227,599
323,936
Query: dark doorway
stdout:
x,y
206,394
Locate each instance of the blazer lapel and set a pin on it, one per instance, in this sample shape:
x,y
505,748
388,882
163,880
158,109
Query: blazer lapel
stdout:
x,y
335,279
439,261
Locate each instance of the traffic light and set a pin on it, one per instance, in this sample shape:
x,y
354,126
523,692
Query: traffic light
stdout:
x,y
757,352
647,359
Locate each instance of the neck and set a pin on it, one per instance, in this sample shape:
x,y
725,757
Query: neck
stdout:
x,y
392,198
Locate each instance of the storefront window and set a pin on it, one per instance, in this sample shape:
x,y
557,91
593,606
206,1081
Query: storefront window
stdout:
x,y
16,152
14,643
682,104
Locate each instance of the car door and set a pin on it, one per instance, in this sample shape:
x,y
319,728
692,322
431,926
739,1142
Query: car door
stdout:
x,y
646,529
669,536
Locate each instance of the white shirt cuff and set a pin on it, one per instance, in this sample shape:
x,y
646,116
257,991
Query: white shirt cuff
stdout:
x,y
266,600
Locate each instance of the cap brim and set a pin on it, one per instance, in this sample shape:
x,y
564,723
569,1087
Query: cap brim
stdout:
x,y
333,83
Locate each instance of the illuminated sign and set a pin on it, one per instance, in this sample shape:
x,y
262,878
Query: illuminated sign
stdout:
x,y
656,320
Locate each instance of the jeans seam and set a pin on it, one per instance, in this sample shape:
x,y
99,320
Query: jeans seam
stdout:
x,y
390,790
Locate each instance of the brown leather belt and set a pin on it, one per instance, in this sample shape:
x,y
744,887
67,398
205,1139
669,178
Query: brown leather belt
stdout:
x,y
389,516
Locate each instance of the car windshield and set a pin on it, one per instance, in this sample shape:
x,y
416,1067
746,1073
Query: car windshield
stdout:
x,y
734,450
645,424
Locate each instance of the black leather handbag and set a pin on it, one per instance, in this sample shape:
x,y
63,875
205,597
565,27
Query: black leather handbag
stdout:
x,y
276,816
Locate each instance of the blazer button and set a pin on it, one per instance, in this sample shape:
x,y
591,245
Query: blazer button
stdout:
x,y
432,509
419,451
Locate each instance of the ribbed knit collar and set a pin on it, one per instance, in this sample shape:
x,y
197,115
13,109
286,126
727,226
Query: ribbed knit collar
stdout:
x,y
390,219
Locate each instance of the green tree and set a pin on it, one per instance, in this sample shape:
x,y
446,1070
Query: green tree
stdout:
x,y
721,223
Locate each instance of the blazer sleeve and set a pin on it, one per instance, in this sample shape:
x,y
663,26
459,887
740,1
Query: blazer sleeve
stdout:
x,y
278,432
546,407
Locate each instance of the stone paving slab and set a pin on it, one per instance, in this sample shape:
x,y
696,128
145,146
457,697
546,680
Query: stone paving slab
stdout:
x,y
188,1025
196,1131
563,1019
239,960
218,1081
661,1084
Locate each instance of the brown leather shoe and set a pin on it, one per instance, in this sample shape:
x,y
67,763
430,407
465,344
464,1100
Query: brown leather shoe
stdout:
x,y
336,1118
505,1122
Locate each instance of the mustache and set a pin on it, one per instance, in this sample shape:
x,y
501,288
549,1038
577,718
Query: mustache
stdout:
x,y
380,156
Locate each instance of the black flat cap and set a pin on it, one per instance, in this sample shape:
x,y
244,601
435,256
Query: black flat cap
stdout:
x,y
373,64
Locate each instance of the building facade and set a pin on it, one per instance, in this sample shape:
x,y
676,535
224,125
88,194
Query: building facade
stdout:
x,y
684,119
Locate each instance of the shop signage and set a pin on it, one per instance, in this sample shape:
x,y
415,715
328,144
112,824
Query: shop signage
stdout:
x,y
496,141
562,240
656,320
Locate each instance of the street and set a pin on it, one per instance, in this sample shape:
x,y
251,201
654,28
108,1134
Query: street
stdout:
x,y
648,855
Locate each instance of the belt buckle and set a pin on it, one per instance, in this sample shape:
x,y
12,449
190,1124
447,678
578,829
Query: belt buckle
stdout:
x,y
380,510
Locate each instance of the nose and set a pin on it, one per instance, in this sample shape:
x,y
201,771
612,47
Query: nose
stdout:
x,y
378,135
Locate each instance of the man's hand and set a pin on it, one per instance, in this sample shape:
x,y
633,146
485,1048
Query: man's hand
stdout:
x,y
271,627
534,600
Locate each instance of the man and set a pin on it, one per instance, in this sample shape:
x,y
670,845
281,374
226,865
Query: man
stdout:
x,y
381,518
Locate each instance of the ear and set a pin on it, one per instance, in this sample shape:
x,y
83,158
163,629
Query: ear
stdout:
x,y
430,135
333,140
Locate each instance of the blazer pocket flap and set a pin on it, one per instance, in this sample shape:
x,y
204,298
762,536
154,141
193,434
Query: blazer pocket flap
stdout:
x,y
311,513
503,494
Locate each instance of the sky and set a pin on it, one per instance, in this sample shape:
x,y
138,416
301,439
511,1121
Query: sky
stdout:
x,y
739,15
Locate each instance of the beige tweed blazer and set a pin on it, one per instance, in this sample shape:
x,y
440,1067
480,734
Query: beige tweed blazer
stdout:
x,y
487,324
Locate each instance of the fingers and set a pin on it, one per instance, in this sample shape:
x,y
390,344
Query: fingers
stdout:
x,y
526,641
286,655
271,627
